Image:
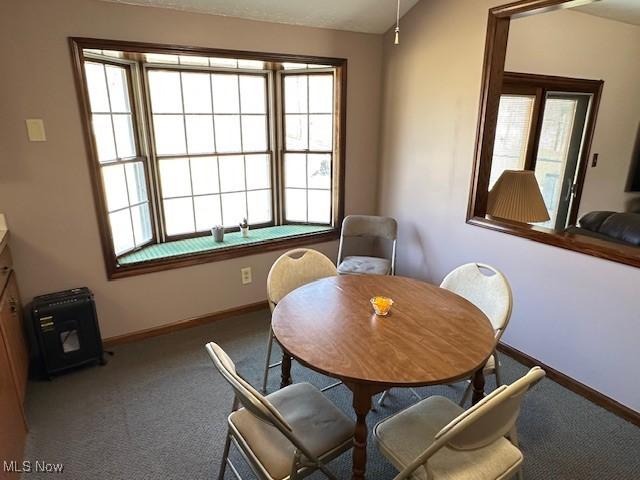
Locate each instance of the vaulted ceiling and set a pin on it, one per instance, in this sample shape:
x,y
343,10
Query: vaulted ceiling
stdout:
x,y
627,11
369,16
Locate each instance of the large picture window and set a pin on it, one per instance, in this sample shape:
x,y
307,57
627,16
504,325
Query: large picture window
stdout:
x,y
212,144
184,141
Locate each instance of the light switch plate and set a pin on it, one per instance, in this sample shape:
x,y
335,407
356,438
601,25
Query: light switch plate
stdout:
x,y
35,130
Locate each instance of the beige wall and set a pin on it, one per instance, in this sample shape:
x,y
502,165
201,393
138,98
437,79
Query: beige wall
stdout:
x,y
576,313
44,187
573,44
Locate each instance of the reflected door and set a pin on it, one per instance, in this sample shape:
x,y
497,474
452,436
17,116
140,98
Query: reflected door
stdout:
x,y
558,152
542,129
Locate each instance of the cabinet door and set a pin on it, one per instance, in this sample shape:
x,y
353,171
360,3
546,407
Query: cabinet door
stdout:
x,y
12,425
12,327
6,264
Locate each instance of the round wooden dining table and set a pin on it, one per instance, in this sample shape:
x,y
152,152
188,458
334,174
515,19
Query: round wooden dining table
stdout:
x,y
431,336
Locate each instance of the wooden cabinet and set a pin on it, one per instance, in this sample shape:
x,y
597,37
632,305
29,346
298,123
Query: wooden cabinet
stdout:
x,y
13,429
14,366
13,331
6,266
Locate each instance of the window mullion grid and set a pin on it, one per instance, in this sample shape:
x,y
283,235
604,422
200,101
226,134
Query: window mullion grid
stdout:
x,y
331,188
306,156
159,211
333,146
113,130
193,201
115,146
142,118
221,154
144,202
215,148
186,147
282,143
231,191
133,231
244,158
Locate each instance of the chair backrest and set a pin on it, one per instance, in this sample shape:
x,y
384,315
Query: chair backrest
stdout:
x,y
490,293
248,396
294,269
491,418
369,226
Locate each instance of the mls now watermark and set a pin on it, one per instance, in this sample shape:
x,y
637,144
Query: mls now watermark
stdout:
x,y
39,466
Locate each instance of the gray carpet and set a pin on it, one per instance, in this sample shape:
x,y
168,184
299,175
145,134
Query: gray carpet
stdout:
x,y
158,410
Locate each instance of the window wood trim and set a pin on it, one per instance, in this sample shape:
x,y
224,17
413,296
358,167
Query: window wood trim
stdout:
x,y
113,269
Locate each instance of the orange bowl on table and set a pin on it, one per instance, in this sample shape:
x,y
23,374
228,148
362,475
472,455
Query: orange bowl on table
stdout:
x,y
381,305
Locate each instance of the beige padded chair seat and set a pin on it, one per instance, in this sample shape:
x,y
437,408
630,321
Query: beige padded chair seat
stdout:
x,y
404,436
364,266
317,422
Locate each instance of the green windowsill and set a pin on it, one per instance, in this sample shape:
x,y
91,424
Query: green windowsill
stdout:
x,y
204,244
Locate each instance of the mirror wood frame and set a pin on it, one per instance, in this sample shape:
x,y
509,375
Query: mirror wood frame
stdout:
x,y
492,79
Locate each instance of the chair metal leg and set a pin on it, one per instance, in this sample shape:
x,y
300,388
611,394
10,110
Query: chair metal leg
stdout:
x,y
298,463
234,470
225,456
415,394
496,369
268,366
386,392
466,394
328,473
266,362
295,465
329,387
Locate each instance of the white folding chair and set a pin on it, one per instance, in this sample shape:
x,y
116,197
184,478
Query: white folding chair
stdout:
x,y
286,435
291,270
436,439
491,294
385,228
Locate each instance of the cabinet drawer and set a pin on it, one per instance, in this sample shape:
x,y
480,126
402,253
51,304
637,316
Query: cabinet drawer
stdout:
x,y
6,265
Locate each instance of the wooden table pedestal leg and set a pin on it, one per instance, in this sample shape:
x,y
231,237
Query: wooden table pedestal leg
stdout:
x,y
285,375
478,386
362,406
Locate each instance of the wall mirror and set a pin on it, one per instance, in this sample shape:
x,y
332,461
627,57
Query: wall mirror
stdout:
x,y
558,147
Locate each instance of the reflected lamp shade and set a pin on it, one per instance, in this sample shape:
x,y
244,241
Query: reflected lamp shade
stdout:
x,y
516,196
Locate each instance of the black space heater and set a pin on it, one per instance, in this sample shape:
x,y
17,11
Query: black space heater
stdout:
x,y
65,331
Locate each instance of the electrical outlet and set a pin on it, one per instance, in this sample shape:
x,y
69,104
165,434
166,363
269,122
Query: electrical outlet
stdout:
x,y
245,273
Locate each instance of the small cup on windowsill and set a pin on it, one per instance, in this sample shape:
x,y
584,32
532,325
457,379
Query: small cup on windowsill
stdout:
x,y
218,233
381,305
